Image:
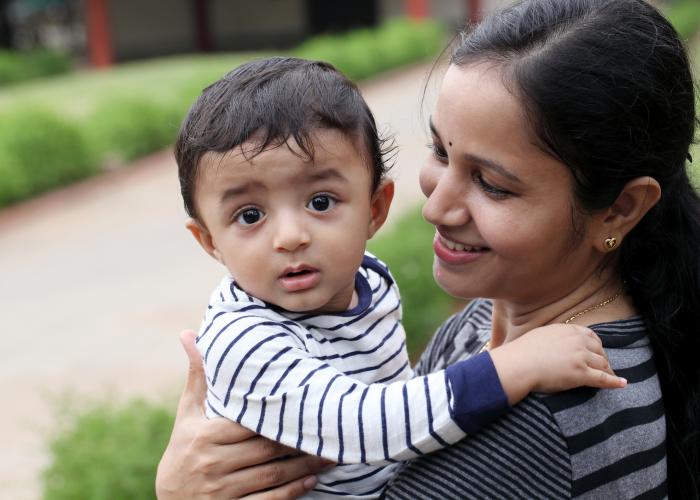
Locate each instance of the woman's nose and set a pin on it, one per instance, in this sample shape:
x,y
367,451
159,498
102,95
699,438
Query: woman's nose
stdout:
x,y
290,233
447,201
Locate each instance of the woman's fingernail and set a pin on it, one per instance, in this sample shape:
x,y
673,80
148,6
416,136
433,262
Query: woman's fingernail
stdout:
x,y
310,482
623,381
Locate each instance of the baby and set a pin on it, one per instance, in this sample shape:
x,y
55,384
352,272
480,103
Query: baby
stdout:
x,y
282,172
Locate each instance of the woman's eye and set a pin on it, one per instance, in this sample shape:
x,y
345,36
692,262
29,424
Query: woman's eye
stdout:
x,y
249,216
321,203
438,151
490,188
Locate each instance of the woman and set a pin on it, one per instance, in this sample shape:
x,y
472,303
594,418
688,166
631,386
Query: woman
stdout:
x,y
558,189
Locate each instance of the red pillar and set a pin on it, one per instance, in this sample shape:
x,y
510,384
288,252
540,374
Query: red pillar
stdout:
x,y
417,9
99,39
201,19
474,7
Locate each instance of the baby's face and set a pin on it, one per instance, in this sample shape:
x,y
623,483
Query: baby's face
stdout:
x,y
291,232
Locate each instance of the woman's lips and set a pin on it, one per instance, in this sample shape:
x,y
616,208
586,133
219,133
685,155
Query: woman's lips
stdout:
x,y
297,280
454,255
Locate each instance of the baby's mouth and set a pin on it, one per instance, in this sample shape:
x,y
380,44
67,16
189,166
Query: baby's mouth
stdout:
x,y
298,278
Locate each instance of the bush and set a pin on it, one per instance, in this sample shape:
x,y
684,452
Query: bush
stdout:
x,y
108,452
38,151
125,128
363,53
685,17
133,110
406,247
20,66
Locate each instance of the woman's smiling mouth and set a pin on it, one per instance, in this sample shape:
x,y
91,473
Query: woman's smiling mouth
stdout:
x,y
452,252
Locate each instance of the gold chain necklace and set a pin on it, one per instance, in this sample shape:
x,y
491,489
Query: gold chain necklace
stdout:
x,y
607,301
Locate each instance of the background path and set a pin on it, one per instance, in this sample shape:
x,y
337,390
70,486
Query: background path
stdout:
x,y
99,278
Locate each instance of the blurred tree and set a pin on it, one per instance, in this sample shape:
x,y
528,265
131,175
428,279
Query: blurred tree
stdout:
x,y
6,34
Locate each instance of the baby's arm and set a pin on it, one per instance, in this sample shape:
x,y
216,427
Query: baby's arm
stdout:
x,y
551,359
260,376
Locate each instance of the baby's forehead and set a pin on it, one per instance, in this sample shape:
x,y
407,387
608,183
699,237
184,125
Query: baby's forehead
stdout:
x,y
328,156
316,147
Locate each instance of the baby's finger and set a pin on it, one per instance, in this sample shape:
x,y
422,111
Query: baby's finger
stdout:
x,y
603,380
599,363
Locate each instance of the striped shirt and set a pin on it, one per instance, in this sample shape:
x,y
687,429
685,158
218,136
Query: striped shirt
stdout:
x,y
339,385
583,443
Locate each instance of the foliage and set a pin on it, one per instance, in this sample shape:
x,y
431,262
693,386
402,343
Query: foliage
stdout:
x,y
685,17
38,151
108,452
128,127
18,66
119,114
406,248
363,53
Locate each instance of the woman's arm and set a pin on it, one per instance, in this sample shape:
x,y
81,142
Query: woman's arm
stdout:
x,y
218,459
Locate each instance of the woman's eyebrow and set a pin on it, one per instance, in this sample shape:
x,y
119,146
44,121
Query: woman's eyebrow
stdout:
x,y
490,164
493,165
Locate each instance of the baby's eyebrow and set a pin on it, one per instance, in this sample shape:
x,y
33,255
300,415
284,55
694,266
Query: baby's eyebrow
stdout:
x,y
238,190
326,174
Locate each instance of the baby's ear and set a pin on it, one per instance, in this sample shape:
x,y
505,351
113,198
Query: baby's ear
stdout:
x,y
203,237
380,203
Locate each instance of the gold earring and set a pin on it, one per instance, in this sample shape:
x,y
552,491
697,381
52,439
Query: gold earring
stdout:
x,y
610,243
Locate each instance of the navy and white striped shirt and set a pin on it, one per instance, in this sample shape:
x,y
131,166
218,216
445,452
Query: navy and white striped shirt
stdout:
x,y
583,443
339,385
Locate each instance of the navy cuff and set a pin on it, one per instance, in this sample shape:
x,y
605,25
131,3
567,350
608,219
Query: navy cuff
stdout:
x,y
478,396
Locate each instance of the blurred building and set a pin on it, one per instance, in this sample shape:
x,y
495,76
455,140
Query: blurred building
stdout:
x,y
118,30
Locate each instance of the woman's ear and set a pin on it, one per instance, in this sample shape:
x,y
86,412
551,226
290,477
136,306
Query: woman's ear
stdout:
x,y
203,237
634,201
380,203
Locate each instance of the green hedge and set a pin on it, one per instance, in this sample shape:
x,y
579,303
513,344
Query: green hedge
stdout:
x,y
120,114
18,66
363,53
39,151
685,17
108,452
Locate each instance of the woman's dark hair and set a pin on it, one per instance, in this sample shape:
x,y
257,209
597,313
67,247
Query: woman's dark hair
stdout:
x,y
607,87
268,102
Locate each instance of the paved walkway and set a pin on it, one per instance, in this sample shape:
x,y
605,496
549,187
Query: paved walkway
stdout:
x,y
99,278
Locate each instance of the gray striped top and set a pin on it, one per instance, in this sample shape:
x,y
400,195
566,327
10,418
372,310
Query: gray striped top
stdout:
x,y
584,443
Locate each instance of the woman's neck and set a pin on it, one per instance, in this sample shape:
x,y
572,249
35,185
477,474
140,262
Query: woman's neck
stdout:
x,y
511,320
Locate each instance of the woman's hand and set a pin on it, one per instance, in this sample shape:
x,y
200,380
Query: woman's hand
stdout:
x,y
219,459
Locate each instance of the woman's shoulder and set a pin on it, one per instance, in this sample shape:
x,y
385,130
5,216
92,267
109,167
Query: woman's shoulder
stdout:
x,y
462,335
616,436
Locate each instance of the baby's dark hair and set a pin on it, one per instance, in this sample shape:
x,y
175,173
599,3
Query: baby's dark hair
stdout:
x,y
267,102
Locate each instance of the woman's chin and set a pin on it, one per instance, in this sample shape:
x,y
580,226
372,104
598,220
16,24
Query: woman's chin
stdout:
x,y
455,285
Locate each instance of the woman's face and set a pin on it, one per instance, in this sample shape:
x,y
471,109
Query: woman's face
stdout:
x,y
502,207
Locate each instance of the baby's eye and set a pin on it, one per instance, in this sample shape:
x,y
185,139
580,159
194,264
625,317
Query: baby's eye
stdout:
x,y
249,216
321,203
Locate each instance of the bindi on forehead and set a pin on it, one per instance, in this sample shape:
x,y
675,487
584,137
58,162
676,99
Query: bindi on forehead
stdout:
x,y
450,143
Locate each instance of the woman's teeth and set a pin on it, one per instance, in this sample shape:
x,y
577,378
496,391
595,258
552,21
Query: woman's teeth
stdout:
x,y
452,245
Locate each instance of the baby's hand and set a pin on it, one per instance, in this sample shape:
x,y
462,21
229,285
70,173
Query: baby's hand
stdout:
x,y
551,359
